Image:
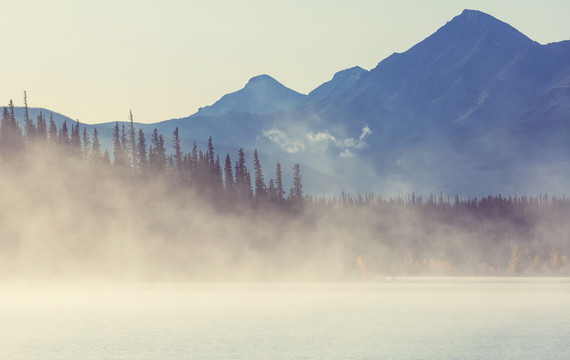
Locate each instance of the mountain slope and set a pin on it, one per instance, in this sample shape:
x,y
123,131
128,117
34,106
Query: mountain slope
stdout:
x,y
457,98
341,81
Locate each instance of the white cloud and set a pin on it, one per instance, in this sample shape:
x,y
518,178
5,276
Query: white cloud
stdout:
x,y
281,139
318,141
346,153
365,132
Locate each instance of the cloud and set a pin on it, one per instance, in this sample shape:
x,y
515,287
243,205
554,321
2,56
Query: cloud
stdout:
x,y
283,140
346,153
365,132
318,141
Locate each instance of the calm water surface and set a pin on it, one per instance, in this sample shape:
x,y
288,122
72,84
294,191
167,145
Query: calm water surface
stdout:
x,y
460,318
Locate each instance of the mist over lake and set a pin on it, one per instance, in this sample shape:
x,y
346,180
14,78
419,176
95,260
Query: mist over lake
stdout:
x,y
404,318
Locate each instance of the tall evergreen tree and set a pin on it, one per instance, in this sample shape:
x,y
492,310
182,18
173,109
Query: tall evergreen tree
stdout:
x,y
5,123
297,189
259,181
247,185
210,154
161,152
117,146
29,127
177,154
202,168
241,175
133,142
157,153
95,155
86,144
279,191
271,193
228,176
13,121
52,130
5,133
15,134
126,154
194,161
141,153
75,140
63,137
217,175
41,128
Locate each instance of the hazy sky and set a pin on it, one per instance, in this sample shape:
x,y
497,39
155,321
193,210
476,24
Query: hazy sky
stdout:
x,y
95,60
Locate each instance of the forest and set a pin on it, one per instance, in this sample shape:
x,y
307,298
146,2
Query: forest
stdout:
x,y
71,210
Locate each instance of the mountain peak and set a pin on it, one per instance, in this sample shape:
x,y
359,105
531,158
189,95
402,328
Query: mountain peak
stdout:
x,y
263,79
474,14
477,24
355,71
261,95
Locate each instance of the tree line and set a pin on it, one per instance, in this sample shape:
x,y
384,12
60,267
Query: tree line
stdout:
x,y
202,170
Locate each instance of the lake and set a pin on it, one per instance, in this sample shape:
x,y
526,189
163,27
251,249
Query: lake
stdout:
x,y
402,318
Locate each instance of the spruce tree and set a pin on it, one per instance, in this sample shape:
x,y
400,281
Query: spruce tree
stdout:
x,y
133,142
86,144
259,181
297,190
5,123
125,153
75,140
161,153
141,153
16,142
194,162
210,154
52,130
41,128
240,174
153,151
177,154
271,193
117,146
217,174
201,168
228,176
63,137
29,127
95,155
248,188
157,153
5,133
279,191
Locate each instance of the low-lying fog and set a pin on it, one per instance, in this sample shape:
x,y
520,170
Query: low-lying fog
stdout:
x,y
405,318
66,219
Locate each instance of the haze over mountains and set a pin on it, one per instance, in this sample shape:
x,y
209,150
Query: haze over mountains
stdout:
x,y
475,108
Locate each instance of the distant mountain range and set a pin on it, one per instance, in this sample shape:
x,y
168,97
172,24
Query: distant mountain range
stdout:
x,y
475,108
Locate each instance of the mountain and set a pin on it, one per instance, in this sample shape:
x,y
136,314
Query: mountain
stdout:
x,y
261,95
464,109
475,108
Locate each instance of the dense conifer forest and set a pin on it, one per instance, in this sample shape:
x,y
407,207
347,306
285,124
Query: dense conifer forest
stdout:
x,y
71,209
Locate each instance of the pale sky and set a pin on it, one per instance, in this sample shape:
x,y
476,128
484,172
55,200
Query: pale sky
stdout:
x,y
95,60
